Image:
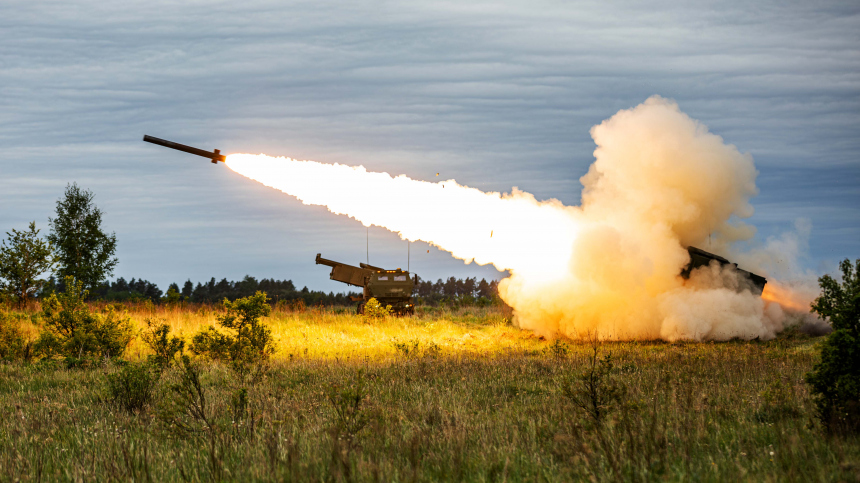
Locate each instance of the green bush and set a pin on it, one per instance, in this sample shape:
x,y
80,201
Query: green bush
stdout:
x,y
212,344
185,408
375,310
249,340
13,345
132,387
72,330
835,379
165,347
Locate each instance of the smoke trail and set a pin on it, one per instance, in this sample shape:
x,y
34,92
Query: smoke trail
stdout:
x,y
660,182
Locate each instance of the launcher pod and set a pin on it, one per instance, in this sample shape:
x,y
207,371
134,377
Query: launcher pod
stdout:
x,y
700,258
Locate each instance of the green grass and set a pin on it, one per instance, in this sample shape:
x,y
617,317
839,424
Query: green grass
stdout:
x,y
451,396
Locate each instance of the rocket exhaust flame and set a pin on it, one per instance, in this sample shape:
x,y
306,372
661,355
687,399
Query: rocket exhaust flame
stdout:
x,y
660,182
787,298
517,220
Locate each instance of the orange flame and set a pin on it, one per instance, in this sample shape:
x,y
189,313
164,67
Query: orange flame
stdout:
x,y
786,297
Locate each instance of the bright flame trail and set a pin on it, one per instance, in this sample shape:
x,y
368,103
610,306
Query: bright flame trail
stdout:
x,y
527,236
660,182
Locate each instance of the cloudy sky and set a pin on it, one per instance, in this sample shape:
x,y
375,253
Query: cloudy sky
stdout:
x,y
494,95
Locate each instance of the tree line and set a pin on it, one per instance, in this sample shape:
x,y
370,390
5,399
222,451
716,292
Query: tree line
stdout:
x,y
463,291
457,290
215,292
78,250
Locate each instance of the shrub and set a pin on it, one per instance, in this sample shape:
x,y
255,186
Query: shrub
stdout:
x,y
250,341
375,310
594,390
165,347
73,331
132,386
212,344
558,350
835,379
13,345
185,408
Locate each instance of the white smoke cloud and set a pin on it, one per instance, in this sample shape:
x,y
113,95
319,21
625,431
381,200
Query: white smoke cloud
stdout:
x,y
660,182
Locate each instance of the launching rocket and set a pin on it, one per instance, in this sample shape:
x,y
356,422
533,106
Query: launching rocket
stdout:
x,y
215,155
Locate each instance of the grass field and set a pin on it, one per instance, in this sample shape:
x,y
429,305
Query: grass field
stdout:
x,y
445,395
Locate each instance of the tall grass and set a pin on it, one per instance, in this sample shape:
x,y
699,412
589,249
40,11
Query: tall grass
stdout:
x,y
476,400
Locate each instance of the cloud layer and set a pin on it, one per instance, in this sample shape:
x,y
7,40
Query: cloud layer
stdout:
x,y
494,95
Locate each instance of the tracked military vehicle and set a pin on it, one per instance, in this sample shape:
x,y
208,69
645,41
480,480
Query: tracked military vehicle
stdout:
x,y
389,287
701,258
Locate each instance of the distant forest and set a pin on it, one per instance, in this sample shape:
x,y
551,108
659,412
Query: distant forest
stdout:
x,y
453,290
78,249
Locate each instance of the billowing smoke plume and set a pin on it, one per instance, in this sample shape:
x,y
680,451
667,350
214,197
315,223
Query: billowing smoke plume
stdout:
x,y
660,182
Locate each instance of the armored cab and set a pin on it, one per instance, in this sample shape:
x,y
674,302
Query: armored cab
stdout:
x,y
701,258
389,287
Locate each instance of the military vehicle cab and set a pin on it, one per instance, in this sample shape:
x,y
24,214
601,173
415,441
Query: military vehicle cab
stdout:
x,y
389,287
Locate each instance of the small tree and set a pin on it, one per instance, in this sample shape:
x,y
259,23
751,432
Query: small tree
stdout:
x,y
23,260
84,251
835,379
187,290
172,296
594,390
250,340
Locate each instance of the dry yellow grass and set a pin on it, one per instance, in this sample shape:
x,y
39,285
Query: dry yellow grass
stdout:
x,y
326,333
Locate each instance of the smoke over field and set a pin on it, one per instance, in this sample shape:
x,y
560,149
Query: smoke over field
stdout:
x,y
660,182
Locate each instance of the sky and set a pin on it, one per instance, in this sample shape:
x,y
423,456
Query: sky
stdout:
x,y
495,95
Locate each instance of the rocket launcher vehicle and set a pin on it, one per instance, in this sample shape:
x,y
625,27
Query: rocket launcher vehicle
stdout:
x,y
389,287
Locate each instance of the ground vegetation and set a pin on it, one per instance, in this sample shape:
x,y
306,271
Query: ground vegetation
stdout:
x,y
446,395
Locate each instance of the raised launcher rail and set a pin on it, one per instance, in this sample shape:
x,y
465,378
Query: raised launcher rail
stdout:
x,y
389,287
701,258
